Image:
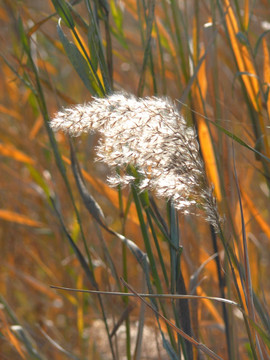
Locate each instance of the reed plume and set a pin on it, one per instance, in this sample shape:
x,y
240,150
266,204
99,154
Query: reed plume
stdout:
x,y
151,135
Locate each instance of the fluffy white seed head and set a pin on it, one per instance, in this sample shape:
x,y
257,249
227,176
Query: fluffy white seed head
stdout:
x,y
150,134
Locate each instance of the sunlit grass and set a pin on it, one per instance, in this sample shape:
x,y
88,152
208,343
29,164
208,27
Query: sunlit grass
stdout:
x,y
62,225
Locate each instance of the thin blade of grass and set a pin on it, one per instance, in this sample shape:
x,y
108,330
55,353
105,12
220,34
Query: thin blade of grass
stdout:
x,y
205,136
161,59
98,46
150,296
89,202
175,248
263,312
177,285
79,63
248,290
125,267
109,56
146,238
232,136
157,217
183,314
211,307
194,277
58,346
38,178
123,317
80,306
256,213
246,15
193,77
241,54
38,24
85,266
248,282
263,334
63,11
23,79
118,18
258,42
110,193
179,44
80,44
95,210
138,348
91,35
147,50
149,215
108,257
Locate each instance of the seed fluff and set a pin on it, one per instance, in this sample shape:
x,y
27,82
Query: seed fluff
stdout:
x,y
149,134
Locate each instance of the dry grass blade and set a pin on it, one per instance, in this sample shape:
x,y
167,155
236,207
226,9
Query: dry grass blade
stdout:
x,y
248,289
164,296
248,282
122,319
206,140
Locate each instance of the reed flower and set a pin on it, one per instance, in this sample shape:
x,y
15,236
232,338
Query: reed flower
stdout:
x,y
151,135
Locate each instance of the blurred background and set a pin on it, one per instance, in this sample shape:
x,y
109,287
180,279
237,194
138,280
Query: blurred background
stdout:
x,y
212,58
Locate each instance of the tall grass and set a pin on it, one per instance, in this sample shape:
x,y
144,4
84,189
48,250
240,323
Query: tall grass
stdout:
x,y
164,284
